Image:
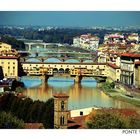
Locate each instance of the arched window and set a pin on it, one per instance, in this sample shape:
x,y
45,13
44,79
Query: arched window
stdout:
x,y
62,120
62,105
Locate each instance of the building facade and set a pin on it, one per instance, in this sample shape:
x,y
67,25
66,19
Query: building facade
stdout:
x,y
114,39
9,61
127,68
137,74
4,46
114,72
86,41
61,113
36,68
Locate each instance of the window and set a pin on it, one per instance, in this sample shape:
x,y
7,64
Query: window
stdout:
x,y
8,62
13,63
2,62
13,67
81,113
62,120
8,67
62,105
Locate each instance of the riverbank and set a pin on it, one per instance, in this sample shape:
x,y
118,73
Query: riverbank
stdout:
x,y
120,93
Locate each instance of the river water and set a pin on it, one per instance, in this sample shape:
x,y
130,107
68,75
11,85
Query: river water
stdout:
x,y
81,95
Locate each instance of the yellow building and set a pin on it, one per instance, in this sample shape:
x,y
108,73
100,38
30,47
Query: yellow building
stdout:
x,y
4,46
9,61
137,74
114,72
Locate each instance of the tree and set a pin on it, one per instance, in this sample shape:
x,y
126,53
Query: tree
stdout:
x,y
16,84
106,119
8,121
16,44
28,110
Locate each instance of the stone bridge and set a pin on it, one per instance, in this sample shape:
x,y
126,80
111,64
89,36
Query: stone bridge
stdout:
x,y
77,70
43,44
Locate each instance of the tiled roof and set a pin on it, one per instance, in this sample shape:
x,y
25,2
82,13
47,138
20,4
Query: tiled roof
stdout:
x,y
126,112
9,57
60,95
77,122
113,65
133,55
137,62
33,126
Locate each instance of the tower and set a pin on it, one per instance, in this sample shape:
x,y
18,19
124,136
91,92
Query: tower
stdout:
x,y
60,110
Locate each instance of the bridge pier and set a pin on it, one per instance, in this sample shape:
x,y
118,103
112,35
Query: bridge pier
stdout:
x,y
78,79
45,78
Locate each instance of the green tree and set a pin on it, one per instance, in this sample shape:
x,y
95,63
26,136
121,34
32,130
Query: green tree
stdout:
x,y
16,84
8,121
107,120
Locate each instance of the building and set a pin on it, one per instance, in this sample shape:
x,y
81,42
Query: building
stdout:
x,y
114,39
127,65
86,41
114,72
137,74
61,113
71,69
9,61
4,46
133,37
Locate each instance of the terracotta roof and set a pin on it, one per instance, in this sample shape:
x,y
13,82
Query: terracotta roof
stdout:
x,y
113,66
137,62
77,122
133,55
33,126
82,63
60,95
9,57
122,47
126,112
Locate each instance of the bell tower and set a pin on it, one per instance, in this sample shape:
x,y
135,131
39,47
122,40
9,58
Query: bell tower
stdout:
x,y
61,110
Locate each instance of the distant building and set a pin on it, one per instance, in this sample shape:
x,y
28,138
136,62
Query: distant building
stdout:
x,y
133,37
86,41
114,39
9,61
4,46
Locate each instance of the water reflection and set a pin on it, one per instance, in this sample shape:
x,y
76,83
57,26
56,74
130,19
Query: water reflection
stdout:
x,y
81,95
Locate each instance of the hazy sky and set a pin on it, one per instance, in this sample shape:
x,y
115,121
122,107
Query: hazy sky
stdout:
x,y
69,18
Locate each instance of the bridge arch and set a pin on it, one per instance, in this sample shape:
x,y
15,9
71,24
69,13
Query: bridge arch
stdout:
x,y
61,70
52,59
72,61
55,70
67,70
33,60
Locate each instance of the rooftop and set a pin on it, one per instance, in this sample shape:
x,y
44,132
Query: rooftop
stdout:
x,y
60,95
137,62
132,55
113,65
77,122
33,126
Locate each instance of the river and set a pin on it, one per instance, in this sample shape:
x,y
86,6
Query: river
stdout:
x,y
81,95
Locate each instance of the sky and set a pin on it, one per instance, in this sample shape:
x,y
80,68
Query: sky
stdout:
x,y
71,18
